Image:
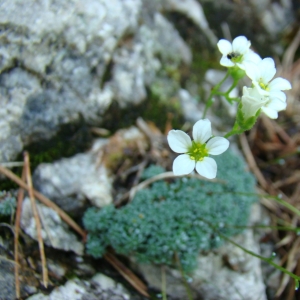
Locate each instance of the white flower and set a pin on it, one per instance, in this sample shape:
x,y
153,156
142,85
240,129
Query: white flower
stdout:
x,y
238,53
253,100
196,152
261,75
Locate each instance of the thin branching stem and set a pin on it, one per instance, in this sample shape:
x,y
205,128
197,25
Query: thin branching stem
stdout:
x,y
185,283
213,92
268,260
163,283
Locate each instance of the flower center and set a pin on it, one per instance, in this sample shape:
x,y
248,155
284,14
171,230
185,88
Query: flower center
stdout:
x,y
235,57
263,85
197,151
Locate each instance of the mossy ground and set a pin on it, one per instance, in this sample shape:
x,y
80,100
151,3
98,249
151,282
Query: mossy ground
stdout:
x,y
177,218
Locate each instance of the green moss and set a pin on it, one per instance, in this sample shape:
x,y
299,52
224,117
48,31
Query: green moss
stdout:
x,y
153,109
175,218
71,139
8,203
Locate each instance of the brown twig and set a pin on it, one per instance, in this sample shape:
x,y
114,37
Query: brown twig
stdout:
x,y
16,237
251,161
273,189
127,274
268,187
291,264
37,218
44,200
166,175
289,55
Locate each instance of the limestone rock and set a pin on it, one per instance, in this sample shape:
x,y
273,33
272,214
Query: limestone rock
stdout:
x,y
194,11
190,107
55,232
71,181
100,287
61,61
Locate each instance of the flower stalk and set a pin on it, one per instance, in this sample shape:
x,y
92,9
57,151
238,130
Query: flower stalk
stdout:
x,y
265,95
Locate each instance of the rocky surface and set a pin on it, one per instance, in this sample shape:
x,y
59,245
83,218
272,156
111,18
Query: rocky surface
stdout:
x,y
61,61
28,281
72,182
55,232
100,287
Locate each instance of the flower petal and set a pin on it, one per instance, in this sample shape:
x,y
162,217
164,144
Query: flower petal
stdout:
x,y
252,70
253,57
276,104
277,94
267,69
217,145
202,131
271,113
241,44
280,84
207,167
226,62
183,165
224,46
179,141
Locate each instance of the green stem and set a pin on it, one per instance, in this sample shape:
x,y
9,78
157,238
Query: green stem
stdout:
x,y
214,91
222,81
235,130
276,198
163,283
268,260
286,204
281,228
226,94
234,84
229,99
186,285
230,133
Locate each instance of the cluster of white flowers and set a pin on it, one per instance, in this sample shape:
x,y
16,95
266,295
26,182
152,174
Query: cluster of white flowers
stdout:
x,y
265,94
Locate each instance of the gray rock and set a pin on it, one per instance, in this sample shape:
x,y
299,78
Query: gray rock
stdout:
x,y
100,287
56,268
55,232
276,16
71,181
7,279
193,10
190,107
137,64
65,60
73,289
28,281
